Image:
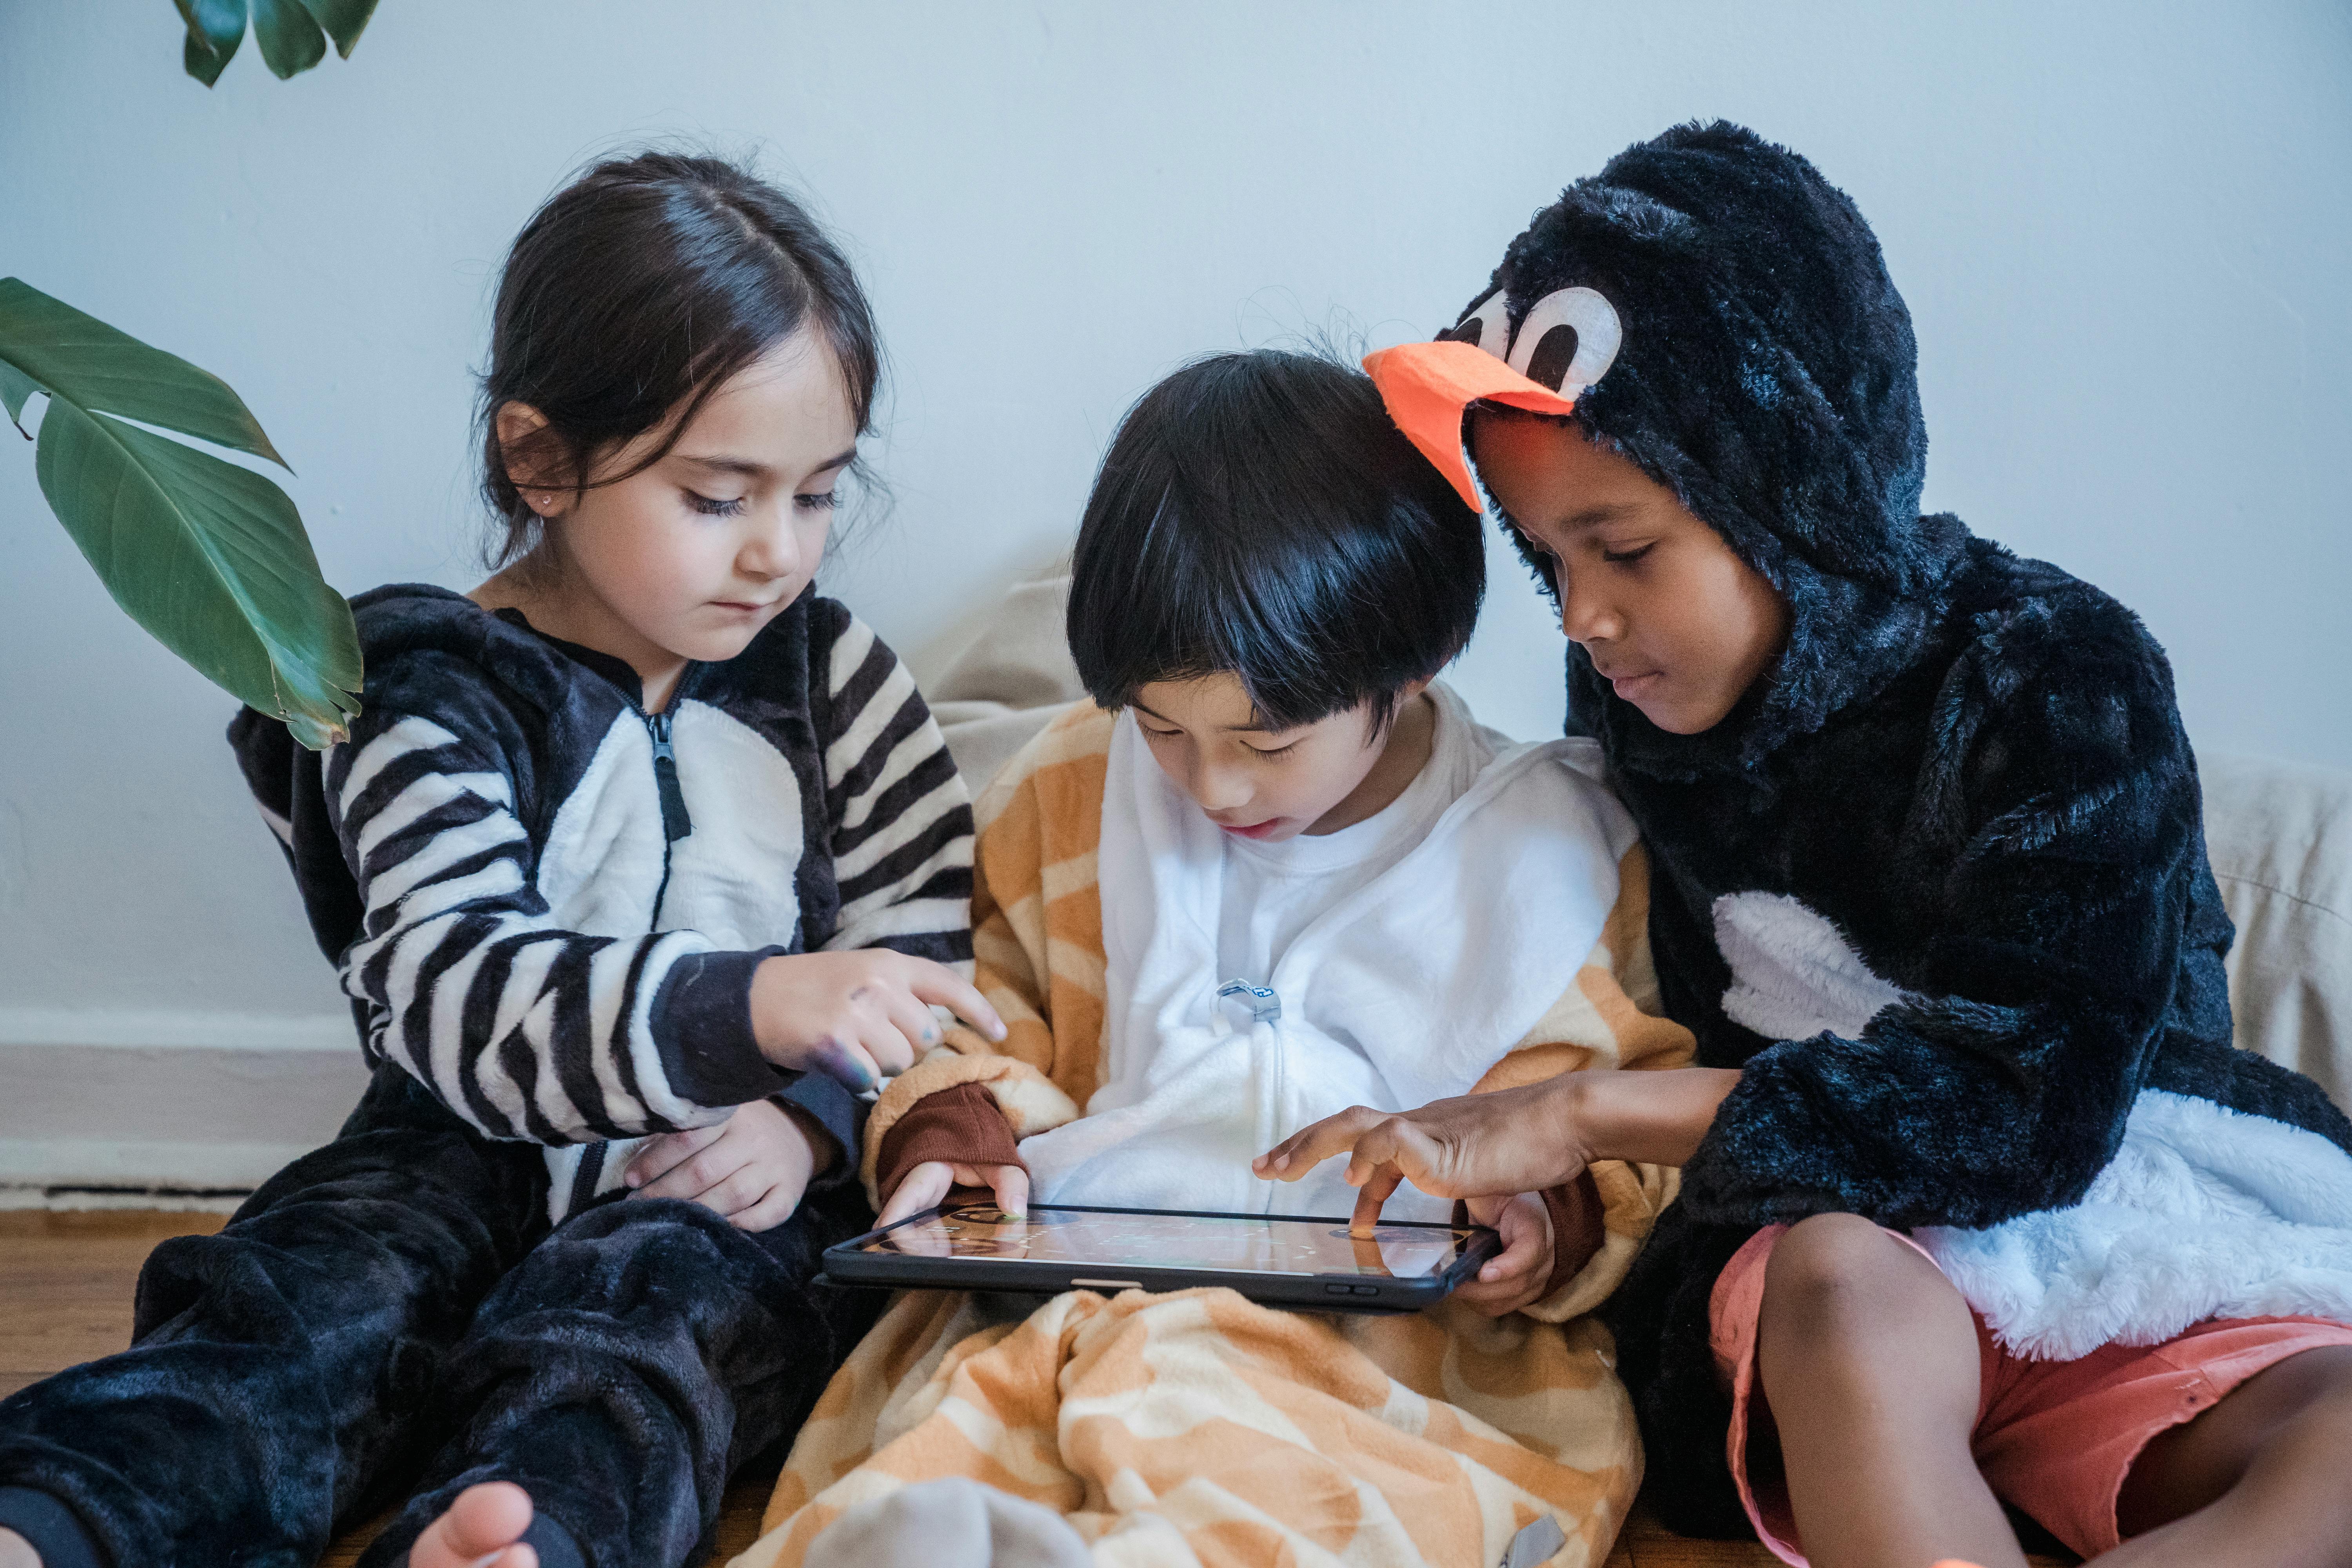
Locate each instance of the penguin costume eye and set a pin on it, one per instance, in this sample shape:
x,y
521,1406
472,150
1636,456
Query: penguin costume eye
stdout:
x,y
1567,341
1485,325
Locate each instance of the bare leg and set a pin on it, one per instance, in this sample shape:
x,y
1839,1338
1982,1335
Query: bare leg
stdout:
x,y
481,1529
1868,1360
2257,1479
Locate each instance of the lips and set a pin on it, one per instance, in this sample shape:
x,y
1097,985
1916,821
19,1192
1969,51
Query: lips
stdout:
x,y
1254,830
1632,686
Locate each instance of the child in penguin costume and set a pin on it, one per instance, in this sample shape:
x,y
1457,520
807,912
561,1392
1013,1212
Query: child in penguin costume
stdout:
x,y
1978,1201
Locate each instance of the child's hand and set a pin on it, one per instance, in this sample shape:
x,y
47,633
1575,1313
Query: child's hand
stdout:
x,y
1481,1145
1516,1277
858,1016
928,1182
752,1167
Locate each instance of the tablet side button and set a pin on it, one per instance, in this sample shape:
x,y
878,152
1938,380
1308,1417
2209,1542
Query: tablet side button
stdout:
x,y
1113,1284
1338,1290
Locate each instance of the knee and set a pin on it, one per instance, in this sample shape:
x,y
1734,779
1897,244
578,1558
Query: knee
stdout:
x,y
1839,1278
2319,1390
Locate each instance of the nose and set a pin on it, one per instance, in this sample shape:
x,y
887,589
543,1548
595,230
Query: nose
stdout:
x,y
1586,615
1217,787
771,548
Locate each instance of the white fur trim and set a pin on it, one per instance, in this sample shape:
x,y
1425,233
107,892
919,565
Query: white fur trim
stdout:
x,y
1794,973
2204,1212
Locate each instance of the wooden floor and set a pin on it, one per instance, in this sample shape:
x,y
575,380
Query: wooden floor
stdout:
x,y
65,1297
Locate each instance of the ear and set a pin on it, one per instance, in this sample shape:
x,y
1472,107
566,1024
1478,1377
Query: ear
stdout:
x,y
523,445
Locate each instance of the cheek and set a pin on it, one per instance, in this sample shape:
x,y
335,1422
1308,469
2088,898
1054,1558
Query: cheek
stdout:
x,y
644,554
1174,758
1753,625
1321,778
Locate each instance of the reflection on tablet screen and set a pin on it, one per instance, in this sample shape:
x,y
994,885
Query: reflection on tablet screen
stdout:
x,y
1238,1244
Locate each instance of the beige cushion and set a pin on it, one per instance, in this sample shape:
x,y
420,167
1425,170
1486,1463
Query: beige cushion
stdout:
x,y
1015,676
2280,837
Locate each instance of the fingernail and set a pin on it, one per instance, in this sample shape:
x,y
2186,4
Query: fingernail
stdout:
x,y
930,1035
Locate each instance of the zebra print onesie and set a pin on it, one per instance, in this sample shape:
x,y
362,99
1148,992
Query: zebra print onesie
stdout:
x,y
546,906
560,899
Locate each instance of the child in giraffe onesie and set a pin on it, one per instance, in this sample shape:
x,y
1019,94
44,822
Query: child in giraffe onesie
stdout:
x,y
1269,786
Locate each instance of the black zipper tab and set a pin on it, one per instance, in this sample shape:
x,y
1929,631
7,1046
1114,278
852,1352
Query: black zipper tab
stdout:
x,y
675,822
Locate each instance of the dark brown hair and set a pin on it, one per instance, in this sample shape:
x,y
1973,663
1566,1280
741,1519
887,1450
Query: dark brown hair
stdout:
x,y
632,296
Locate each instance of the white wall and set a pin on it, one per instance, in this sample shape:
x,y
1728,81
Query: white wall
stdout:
x,y
2124,231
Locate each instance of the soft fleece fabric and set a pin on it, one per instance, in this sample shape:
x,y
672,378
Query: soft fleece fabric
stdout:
x,y
548,930
1198,1427
391,1316
547,904
1939,884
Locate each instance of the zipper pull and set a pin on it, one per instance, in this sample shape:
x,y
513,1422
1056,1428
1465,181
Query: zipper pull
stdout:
x,y
675,822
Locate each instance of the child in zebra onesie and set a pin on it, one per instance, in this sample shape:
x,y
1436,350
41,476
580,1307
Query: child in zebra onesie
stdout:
x,y
641,860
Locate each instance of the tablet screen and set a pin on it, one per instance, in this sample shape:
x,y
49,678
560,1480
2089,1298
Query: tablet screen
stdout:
x,y
1241,1244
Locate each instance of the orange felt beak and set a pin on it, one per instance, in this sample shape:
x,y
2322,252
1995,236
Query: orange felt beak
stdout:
x,y
1428,388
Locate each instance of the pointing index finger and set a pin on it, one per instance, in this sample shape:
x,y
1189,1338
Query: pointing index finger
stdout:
x,y
1310,1146
937,983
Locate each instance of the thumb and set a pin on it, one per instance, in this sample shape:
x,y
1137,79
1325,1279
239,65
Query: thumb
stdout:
x,y
919,1190
1521,1241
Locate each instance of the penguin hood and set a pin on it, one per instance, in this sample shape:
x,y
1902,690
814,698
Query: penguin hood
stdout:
x,y
1711,308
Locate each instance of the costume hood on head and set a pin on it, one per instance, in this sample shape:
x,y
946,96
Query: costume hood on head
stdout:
x,y
1711,308
1936,886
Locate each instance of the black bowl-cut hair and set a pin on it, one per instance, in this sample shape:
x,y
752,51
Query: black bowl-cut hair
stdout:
x,y
1259,513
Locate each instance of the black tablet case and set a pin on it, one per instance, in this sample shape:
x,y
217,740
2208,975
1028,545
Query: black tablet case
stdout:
x,y
847,1264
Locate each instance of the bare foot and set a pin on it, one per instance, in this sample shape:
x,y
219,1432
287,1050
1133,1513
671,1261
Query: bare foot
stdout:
x,y
481,1529
15,1551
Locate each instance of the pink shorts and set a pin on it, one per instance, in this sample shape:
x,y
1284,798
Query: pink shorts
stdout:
x,y
2055,1438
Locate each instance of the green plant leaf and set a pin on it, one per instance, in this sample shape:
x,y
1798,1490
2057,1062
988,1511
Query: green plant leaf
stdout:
x,y
85,362
209,556
289,38
16,386
344,20
215,27
210,559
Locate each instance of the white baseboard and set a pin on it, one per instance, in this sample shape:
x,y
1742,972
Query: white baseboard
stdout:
x,y
99,1103
141,1165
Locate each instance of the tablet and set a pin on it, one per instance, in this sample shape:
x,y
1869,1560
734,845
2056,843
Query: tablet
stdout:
x,y
1280,1259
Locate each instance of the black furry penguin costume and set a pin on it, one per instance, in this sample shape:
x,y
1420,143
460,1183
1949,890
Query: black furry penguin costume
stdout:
x,y
1967,765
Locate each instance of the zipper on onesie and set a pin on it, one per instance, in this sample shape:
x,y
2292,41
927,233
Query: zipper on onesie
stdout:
x,y
675,822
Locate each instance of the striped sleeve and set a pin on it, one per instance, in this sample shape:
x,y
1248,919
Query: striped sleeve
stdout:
x,y
526,1030
900,817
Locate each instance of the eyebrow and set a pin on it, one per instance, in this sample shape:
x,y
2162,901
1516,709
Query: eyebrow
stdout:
x,y
1595,516
718,464
1257,726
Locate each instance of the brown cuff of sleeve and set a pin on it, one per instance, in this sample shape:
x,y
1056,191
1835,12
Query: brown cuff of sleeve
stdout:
x,y
1577,1231
962,1125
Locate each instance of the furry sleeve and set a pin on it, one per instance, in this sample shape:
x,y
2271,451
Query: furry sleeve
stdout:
x,y
2056,845
901,821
